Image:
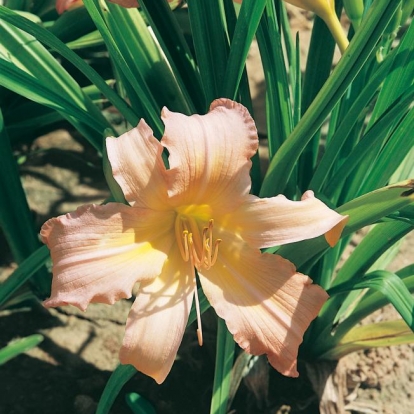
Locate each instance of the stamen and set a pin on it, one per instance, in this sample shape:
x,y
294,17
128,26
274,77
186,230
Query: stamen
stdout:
x,y
197,306
204,256
216,247
195,231
195,259
186,255
181,240
198,313
210,230
198,248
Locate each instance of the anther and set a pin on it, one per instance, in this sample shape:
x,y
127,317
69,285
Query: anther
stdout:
x,y
193,251
216,247
198,313
186,255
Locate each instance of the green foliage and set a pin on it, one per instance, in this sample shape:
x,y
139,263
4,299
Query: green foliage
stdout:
x,y
19,346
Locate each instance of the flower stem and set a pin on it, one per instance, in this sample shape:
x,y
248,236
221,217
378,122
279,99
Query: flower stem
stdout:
x,y
337,31
223,367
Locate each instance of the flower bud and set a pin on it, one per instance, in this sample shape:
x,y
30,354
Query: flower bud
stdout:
x,y
354,10
63,5
325,9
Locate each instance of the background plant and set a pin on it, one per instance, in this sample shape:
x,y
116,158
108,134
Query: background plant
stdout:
x,y
190,57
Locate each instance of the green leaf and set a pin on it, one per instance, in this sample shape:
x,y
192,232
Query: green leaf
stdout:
x,y
72,24
42,35
391,149
15,215
362,211
23,273
138,404
318,68
138,88
392,155
371,301
279,111
240,367
372,246
390,285
19,346
144,57
168,28
247,23
121,375
210,44
401,76
388,333
353,60
28,69
222,369
346,125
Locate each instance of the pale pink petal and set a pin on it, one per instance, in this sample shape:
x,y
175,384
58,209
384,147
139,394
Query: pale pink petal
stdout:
x,y
100,252
134,3
137,166
266,222
158,318
210,154
125,3
63,5
267,306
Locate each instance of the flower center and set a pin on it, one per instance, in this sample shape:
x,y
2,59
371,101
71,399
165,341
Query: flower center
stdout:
x,y
200,250
196,247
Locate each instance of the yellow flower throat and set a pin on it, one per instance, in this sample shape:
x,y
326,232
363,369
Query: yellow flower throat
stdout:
x,y
196,247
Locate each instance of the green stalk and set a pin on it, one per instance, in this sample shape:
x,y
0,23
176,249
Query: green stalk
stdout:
x,y
222,370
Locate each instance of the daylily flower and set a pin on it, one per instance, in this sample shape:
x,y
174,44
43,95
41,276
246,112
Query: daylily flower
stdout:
x,y
125,3
197,217
325,9
135,3
63,5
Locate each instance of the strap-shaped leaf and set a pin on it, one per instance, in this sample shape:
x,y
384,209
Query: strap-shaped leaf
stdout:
x,y
144,57
329,159
401,76
138,404
44,36
210,44
147,102
278,104
392,146
390,285
16,220
362,211
389,333
249,17
19,346
168,27
354,58
121,375
23,273
222,369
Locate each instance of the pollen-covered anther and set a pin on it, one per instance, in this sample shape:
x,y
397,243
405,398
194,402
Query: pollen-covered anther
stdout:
x,y
202,251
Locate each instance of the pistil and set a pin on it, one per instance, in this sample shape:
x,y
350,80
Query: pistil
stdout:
x,y
202,252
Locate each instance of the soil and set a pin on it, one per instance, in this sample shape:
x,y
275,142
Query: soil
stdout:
x,y
67,372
